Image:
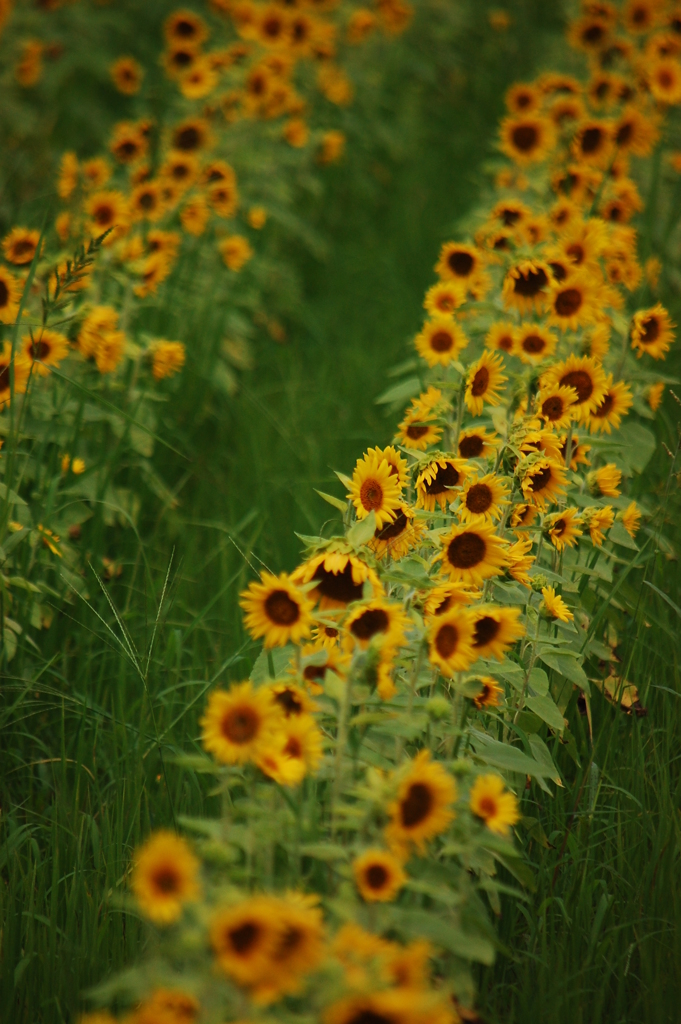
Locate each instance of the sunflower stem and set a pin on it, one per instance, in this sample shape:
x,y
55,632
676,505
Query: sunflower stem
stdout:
x,y
341,743
462,724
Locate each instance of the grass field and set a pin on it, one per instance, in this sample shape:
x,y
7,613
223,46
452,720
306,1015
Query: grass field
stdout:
x,y
91,724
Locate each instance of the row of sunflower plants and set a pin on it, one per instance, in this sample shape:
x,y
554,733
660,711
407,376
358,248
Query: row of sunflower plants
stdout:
x,y
86,280
421,667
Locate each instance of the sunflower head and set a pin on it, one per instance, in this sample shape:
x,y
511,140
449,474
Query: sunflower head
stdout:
x,y
450,640
652,331
437,482
527,138
440,341
240,723
526,286
472,553
493,804
553,605
491,694
277,610
484,382
379,876
496,629
375,488
563,528
422,808
165,877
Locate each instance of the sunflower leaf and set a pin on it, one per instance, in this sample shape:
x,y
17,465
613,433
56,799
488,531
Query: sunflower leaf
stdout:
x,y
336,502
362,531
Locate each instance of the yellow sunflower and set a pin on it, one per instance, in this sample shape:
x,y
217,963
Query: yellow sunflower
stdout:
x,y
245,937
527,138
615,404
598,520
573,303
44,349
108,211
20,245
554,605
379,876
605,482
443,298
436,482
543,481
585,375
185,27
522,98
440,341
534,343
10,296
496,628
556,406
165,876
484,382
21,368
652,331
463,265
422,808
526,286
398,465
447,595
429,401
472,554
299,949
494,804
398,537
375,618
521,560
375,488
523,516
418,432
181,168
277,610
296,752
630,519
450,640
593,142
236,251
476,443
664,80
491,695
392,1006
503,337
482,500
563,528
191,136
544,441
240,723
128,143
340,578
127,75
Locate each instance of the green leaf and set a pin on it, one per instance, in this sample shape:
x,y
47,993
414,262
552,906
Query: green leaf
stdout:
x,y
400,392
539,681
336,502
345,480
10,496
640,444
421,924
543,756
279,657
548,711
362,531
618,535
507,758
327,852
567,665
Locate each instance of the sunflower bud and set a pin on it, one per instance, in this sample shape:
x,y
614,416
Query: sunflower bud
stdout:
x,y
539,582
439,708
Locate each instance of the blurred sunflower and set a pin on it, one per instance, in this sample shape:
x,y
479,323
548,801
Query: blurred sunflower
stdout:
x,y
491,801
165,877
277,610
440,341
422,807
379,876
543,481
45,348
484,381
495,630
241,723
450,640
472,554
652,331
563,528
20,244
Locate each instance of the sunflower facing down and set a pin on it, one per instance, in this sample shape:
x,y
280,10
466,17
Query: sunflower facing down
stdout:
x,y
484,382
496,629
543,481
605,481
526,285
277,610
450,641
554,605
165,877
563,528
476,443
472,554
379,876
556,406
652,331
241,723
422,808
440,341
491,801
615,404
482,500
340,578
398,537
375,488
598,520
435,484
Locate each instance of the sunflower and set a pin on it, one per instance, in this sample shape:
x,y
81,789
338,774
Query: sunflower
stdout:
x,y
191,135
450,640
502,337
171,1006
154,269
168,358
598,520
491,694
593,142
240,723
476,443
128,143
327,637
440,341
447,595
10,296
165,877
640,16
407,966
556,405
398,537
20,245
195,215
146,202
292,699
615,404
543,481
497,807
653,396
664,80
463,265
630,519
436,482
523,99
563,528
299,949
589,33
276,610
484,382
297,752
200,79
397,464
443,298
652,331
605,482
585,375
472,554
554,605
359,953
510,213
21,368
47,348
579,456
416,431
375,488
422,808
235,251
482,500
379,876
427,402
185,27
495,630
565,110
526,286
108,211
527,138
622,203
523,516
520,560
245,937
340,578
376,618
127,75
543,441
391,1006
534,343
573,303
597,342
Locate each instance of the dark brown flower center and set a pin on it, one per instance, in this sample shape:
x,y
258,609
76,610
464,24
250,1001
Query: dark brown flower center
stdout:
x,y
533,344
605,406
558,271
185,29
447,638
479,498
293,747
338,586
166,880
592,140
314,672
485,631
650,330
576,252
441,341
460,263
289,700
4,294
505,342
371,494
103,215
281,609
487,807
376,876
240,724
541,479
529,283
471,447
243,938
23,247
568,302
480,382
40,349
466,550
445,477
370,622
624,133
369,1016
509,216
4,378
581,381
289,942
559,527
392,530
187,138
525,137
593,34
415,431
416,805
552,408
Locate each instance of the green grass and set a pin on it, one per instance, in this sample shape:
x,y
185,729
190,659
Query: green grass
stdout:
x,y
83,730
